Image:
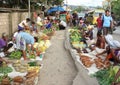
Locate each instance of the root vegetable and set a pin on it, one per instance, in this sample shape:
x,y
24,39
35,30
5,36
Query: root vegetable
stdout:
x,y
18,79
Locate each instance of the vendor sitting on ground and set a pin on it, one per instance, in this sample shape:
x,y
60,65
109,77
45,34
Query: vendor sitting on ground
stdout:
x,y
3,42
89,33
82,25
24,40
33,27
24,24
62,24
112,50
49,24
100,43
100,40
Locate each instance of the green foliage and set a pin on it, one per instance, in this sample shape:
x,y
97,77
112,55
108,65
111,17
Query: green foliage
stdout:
x,y
79,9
116,7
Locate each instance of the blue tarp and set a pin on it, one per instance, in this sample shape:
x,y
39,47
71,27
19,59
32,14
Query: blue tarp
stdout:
x,y
54,9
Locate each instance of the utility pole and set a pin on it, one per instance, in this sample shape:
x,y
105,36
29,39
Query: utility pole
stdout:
x,y
29,8
66,5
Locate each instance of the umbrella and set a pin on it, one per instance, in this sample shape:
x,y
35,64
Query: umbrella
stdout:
x,y
54,9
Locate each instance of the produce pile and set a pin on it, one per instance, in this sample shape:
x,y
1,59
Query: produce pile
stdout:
x,y
99,63
31,68
15,54
76,38
4,69
107,76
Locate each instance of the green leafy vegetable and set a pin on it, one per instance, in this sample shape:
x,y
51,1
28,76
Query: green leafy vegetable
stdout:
x,y
16,55
6,70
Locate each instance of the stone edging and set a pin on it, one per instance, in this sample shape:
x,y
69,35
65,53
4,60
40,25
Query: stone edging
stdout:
x,y
82,77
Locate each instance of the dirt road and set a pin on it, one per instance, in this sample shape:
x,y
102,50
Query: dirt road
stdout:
x,y
58,65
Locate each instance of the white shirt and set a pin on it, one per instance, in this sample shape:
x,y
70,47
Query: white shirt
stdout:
x,y
21,24
39,19
63,23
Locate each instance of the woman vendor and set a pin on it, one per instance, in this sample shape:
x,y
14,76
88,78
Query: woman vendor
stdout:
x,y
112,50
3,42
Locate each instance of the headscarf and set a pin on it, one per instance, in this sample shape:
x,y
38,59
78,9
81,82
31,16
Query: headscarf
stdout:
x,y
111,42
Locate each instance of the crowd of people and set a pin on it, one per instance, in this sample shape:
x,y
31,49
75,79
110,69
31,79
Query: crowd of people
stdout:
x,y
104,36
23,39
104,40
105,28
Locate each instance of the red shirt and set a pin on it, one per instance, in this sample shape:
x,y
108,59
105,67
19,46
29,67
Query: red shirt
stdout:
x,y
99,22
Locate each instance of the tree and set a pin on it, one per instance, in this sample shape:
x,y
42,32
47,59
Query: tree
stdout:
x,y
79,9
116,7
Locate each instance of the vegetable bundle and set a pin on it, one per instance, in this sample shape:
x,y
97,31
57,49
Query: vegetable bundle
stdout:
x,y
106,76
16,55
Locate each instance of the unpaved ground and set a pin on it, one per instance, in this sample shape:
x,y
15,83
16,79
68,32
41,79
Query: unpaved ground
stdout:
x,y
58,66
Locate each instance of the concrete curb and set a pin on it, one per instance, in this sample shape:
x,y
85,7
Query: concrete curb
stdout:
x,y
82,77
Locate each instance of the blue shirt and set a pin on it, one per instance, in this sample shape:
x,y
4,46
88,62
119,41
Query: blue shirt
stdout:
x,y
107,20
29,39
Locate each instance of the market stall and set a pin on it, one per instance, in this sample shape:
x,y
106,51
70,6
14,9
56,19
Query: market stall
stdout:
x,y
86,58
14,70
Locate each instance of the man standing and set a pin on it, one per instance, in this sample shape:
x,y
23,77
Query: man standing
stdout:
x,y
107,23
75,18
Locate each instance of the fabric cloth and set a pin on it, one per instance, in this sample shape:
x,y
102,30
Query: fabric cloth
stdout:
x,y
90,33
39,21
21,24
34,28
29,39
117,54
15,35
112,43
20,43
2,43
99,23
82,26
63,23
49,25
107,21
109,39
